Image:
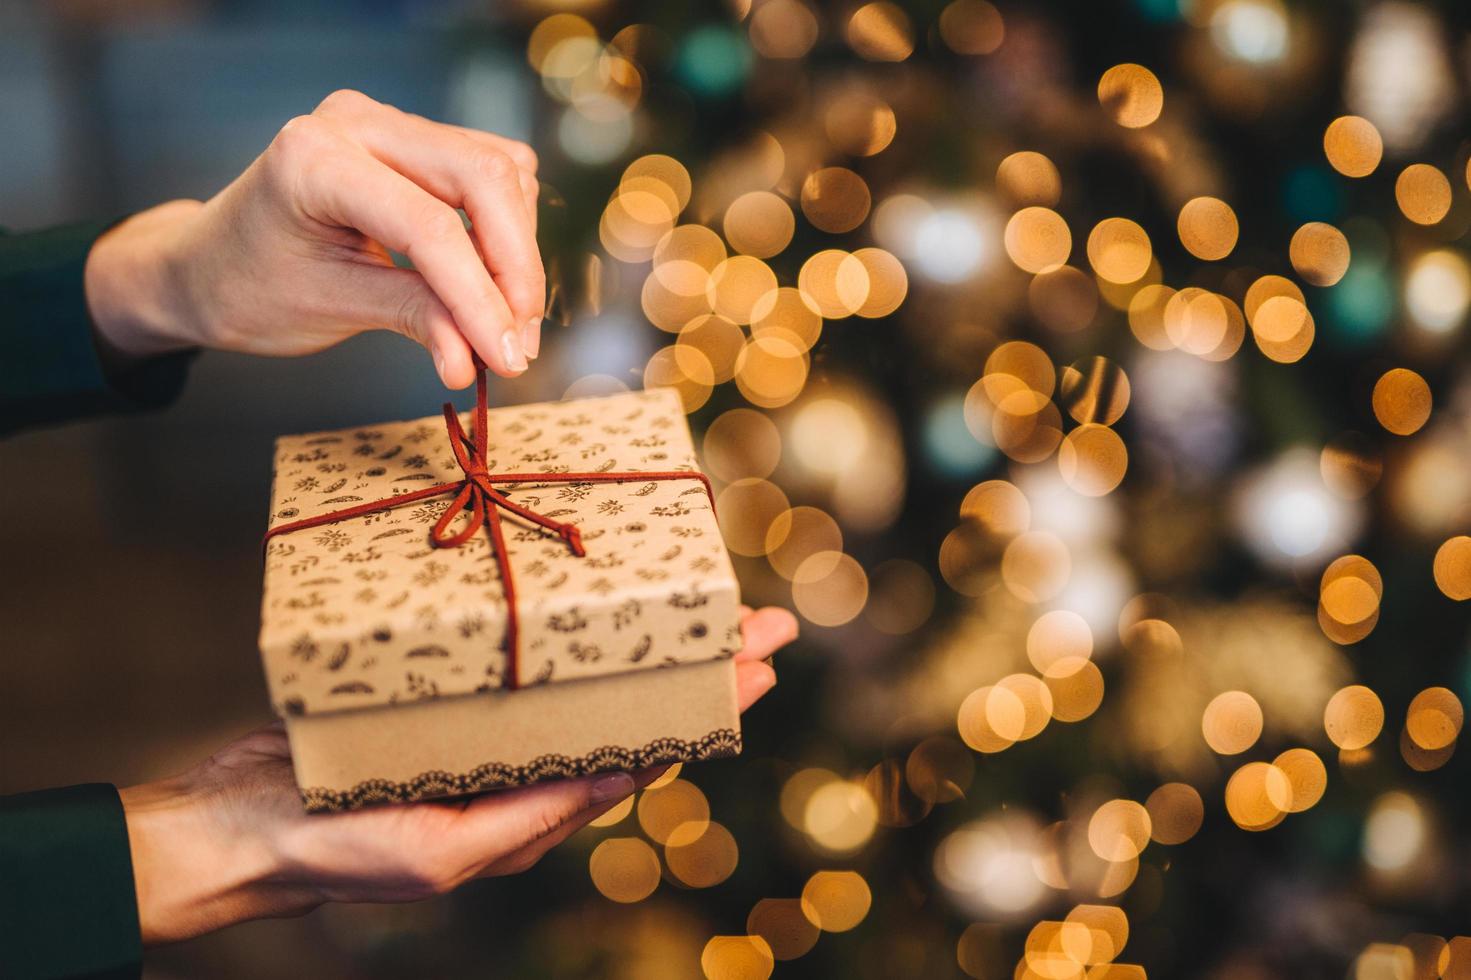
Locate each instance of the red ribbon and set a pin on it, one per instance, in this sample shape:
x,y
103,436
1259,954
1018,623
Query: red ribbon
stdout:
x,y
477,494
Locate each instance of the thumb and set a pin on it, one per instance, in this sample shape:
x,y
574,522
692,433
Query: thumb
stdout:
x,y
390,298
517,817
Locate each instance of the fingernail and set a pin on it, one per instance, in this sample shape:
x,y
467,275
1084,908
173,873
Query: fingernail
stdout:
x,y
439,363
531,336
511,351
613,786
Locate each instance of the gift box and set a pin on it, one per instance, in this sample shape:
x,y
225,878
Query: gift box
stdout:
x,y
459,603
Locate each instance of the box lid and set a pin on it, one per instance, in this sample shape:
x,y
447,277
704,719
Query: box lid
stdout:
x,y
366,612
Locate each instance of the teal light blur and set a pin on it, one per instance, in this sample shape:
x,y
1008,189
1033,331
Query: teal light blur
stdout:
x,y
714,60
1310,193
1160,11
949,446
1361,303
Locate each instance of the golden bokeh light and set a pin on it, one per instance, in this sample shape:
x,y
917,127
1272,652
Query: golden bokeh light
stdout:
x,y
939,770
798,534
740,444
1353,146
1093,459
834,282
798,789
835,199
684,369
1093,390
1401,401
829,588
1147,316
1195,320
1057,636
1077,688
669,310
1063,298
678,806
1350,465
840,817
860,124
701,855
1423,193
880,32
1037,238
1284,329
1232,722
771,369
788,931
624,869
790,317
897,805
1208,228
736,958
616,815
1108,931
1258,796
836,901
1018,364
737,284
783,29
1119,250
1320,253
747,508
991,719
759,224
1265,288
1028,178
1026,427
901,597
887,282
1119,830
1306,777
972,27
1423,759
1036,702
1132,97
1176,812
717,340
1434,718
1354,717
998,506
1036,566
1452,568
1348,599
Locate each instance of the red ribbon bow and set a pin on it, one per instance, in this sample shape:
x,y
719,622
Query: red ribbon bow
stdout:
x,y
477,494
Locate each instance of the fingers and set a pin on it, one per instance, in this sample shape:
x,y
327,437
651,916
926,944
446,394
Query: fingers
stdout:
x,y
484,176
402,300
753,680
338,183
527,856
765,631
504,822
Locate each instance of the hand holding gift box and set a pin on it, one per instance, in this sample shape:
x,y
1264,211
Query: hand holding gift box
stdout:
x,y
572,552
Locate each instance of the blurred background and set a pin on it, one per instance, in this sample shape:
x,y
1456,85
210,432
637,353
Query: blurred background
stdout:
x,y
1091,378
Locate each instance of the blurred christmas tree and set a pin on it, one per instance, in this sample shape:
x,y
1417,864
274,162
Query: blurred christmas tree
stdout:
x,y
1093,381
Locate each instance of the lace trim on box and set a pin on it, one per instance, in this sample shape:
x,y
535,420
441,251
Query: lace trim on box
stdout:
x,y
719,744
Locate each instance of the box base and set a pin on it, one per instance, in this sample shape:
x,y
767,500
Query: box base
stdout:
x,y
471,743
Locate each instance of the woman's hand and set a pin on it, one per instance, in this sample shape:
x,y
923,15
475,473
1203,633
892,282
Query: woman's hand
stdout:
x,y
292,257
229,841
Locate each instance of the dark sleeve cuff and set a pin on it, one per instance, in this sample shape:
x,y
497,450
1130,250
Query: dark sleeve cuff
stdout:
x,y
67,903
50,370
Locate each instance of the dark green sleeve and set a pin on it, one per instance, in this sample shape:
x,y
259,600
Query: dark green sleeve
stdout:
x,y
67,904
49,367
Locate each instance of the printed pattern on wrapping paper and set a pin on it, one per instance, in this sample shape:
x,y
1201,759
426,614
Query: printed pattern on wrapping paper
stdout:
x,y
364,612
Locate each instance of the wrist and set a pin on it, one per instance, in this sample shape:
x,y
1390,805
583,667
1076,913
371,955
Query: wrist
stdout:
x,y
193,872
135,285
